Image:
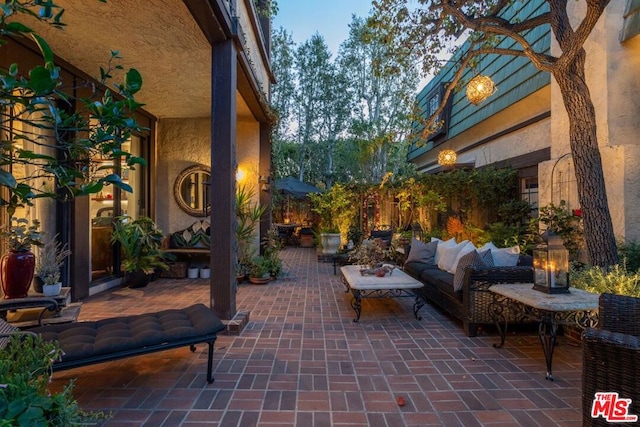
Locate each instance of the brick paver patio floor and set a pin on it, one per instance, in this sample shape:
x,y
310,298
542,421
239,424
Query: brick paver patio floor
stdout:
x,y
302,361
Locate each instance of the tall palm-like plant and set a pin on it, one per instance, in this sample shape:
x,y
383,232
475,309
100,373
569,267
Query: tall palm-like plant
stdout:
x,y
248,214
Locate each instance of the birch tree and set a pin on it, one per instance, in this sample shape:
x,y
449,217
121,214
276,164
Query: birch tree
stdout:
x,y
382,112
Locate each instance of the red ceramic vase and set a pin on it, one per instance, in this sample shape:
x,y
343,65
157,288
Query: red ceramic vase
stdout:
x,y
17,269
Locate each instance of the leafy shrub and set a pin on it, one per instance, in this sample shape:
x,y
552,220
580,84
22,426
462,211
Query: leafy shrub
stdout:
x,y
25,371
617,280
630,254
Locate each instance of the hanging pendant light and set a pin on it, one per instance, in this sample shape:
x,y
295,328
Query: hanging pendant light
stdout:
x,y
480,88
447,158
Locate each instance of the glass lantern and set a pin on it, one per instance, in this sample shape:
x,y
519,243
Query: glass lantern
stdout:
x,y
551,265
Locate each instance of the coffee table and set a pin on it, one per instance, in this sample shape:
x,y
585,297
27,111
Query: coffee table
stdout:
x,y
398,284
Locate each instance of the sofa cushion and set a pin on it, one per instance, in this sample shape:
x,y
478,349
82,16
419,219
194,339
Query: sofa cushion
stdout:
x,y
442,245
470,259
441,280
416,268
422,252
466,248
448,256
197,235
503,257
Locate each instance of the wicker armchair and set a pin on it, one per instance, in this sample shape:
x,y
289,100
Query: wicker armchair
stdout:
x,y
611,355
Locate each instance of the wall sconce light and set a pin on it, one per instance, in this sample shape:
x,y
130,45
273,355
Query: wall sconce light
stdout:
x,y
447,158
480,88
240,174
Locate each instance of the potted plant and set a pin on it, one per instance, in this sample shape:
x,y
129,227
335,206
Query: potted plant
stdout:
x,y
248,214
205,272
19,264
50,259
140,242
272,245
336,210
259,273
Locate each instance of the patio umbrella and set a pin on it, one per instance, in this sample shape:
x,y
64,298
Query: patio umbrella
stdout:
x,y
294,188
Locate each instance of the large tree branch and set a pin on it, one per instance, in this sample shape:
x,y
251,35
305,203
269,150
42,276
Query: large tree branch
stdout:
x,y
501,27
571,42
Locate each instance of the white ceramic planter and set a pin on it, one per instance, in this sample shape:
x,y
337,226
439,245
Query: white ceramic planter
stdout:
x,y
52,290
205,273
192,272
330,242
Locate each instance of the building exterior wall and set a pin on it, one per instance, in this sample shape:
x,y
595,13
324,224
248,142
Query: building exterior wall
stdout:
x,y
614,83
180,143
612,72
253,39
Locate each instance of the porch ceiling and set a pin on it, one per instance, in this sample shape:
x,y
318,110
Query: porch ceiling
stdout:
x,y
157,37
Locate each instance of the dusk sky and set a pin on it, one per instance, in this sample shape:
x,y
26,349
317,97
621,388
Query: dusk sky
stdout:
x,y
330,18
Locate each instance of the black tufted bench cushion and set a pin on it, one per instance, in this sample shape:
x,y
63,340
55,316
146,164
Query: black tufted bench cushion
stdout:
x,y
85,343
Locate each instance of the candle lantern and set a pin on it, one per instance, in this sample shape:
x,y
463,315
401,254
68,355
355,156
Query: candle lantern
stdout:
x,y
551,265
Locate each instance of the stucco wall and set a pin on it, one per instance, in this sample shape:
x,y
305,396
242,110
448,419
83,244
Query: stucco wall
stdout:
x,y
181,143
612,72
252,40
185,142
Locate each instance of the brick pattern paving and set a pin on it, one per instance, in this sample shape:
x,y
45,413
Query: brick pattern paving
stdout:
x,y
302,361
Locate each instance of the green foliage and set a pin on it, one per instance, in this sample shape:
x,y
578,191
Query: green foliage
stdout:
x,y
36,98
25,372
563,222
616,280
259,267
140,241
272,245
336,209
630,254
248,215
21,236
342,119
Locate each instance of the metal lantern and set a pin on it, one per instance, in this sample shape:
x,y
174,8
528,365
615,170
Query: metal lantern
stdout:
x,y
551,265
480,88
447,158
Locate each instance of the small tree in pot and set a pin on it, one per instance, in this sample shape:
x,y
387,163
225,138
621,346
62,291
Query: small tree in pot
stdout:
x,y
140,242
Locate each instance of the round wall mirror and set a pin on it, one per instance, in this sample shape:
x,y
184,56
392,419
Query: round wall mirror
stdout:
x,y
191,190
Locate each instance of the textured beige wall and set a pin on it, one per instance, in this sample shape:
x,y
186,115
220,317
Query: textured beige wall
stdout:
x,y
252,41
185,142
181,143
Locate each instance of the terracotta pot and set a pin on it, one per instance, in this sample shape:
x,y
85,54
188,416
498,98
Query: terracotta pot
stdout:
x,y
259,280
17,273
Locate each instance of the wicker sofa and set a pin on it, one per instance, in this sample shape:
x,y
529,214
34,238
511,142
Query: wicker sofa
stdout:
x,y
611,355
470,304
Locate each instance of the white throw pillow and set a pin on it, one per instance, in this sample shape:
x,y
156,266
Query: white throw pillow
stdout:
x,y
468,247
442,245
506,257
448,256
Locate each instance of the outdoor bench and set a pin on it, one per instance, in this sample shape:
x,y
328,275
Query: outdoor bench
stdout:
x,y
86,343
192,242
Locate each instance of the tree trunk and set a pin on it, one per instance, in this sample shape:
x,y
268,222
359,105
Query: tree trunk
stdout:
x,y
592,194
